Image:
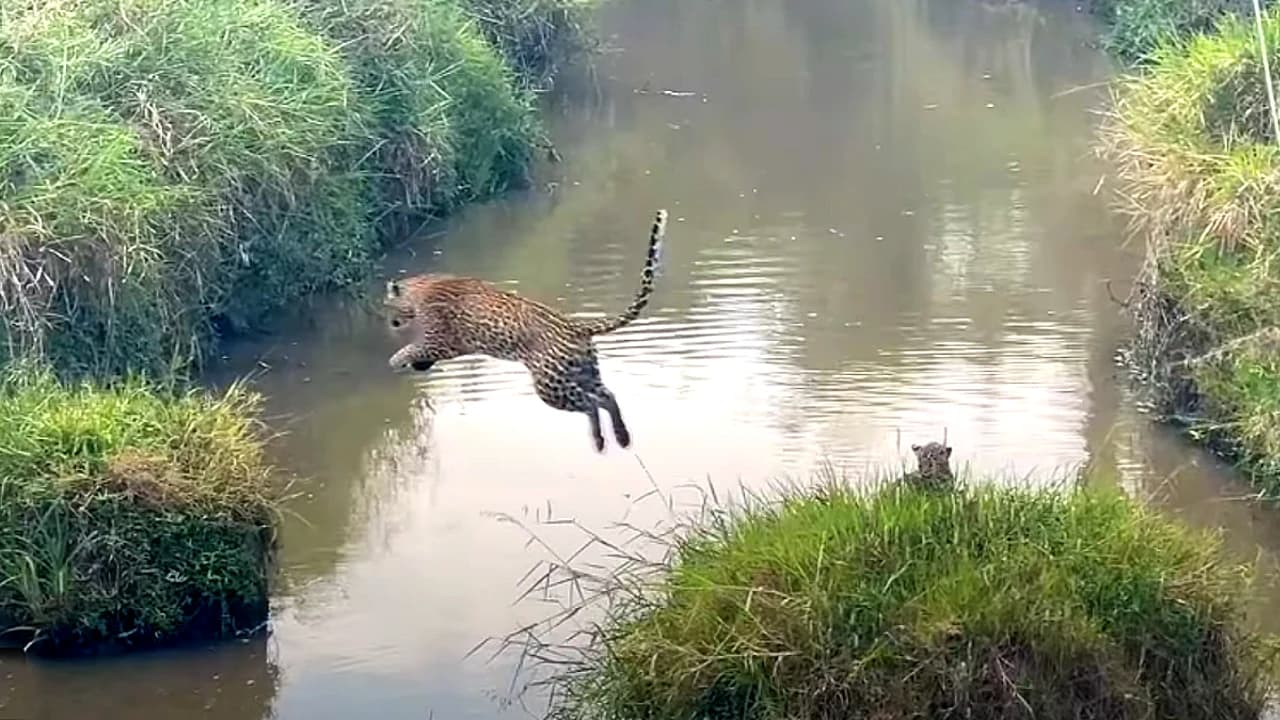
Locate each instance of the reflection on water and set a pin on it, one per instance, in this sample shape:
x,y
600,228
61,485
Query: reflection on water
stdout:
x,y
884,229
227,682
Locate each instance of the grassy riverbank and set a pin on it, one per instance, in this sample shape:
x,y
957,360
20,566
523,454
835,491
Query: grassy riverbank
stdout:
x,y
979,603
1196,158
174,171
129,517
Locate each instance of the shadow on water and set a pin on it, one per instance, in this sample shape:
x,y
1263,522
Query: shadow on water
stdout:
x,y
884,228
231,681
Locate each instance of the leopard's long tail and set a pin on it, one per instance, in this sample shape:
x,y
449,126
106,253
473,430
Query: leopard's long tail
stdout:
x,y
608,325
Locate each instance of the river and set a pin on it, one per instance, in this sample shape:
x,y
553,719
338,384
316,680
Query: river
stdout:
x,y
886,226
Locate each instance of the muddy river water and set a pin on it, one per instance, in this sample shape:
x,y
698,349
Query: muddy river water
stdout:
x,y
885,226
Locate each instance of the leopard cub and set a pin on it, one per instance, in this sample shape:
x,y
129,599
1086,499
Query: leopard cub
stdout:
x,y
933,466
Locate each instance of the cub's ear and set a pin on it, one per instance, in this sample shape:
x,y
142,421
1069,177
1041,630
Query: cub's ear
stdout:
x,y
948,452
393,289
915,448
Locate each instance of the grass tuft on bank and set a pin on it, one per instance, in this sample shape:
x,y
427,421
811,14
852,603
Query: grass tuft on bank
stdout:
x,y
1194,151
452,124
836,602
1136,29
130,516
176,171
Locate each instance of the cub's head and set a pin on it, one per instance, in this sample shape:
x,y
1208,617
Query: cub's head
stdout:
x,y
934,459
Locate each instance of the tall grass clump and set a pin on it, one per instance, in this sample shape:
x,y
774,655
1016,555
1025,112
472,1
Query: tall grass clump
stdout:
x,y
167,165
131,516
1136,28
1199,173
450,122
991,603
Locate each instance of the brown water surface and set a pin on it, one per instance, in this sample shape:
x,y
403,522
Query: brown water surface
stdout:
x,y
884,228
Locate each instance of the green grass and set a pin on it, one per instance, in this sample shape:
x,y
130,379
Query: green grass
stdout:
x,y
905,603
174,172
1194,152
1137,28
169,164
130,516
452,124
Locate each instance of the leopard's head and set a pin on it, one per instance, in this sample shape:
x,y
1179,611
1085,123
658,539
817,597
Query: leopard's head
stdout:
x,y
404,299
400,310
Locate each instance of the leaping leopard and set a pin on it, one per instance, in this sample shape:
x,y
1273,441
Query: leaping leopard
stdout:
x,y
451,316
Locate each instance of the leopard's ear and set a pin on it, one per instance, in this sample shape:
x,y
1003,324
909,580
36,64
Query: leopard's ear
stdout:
x,y
915,448
948,452
393,289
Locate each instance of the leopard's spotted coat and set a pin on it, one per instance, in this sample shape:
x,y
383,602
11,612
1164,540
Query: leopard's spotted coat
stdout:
x,y
451,316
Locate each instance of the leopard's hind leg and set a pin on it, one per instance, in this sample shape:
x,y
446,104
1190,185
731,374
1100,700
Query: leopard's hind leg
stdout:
x,y
594,386
561,388
610,404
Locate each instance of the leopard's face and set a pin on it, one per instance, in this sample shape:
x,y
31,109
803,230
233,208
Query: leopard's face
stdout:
x,y
934,460
399,318
401,307
403,297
